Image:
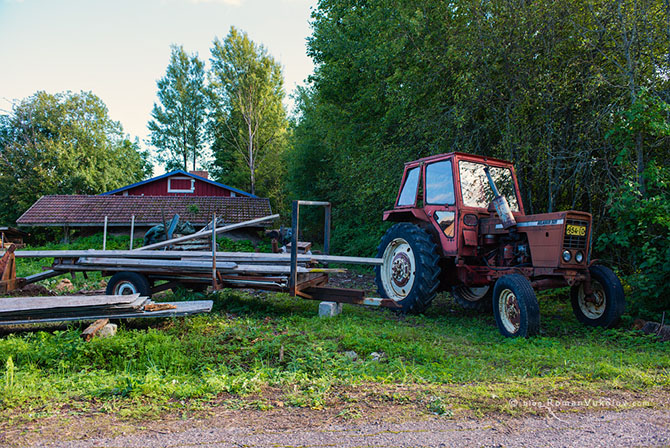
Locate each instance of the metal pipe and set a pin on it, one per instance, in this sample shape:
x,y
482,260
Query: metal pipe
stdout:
x,y
104,235
293,277
132,231
326,229
214,288
324,203
200,234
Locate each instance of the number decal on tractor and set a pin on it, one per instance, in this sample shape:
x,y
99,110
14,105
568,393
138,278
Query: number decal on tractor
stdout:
x,y
575,230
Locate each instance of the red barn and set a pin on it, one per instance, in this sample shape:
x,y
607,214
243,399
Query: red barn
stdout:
x,y
179,183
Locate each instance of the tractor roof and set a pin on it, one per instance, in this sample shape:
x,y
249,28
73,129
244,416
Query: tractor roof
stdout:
x,y
460,154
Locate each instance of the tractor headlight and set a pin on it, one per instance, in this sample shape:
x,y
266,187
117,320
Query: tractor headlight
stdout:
x,y
579,257
567,256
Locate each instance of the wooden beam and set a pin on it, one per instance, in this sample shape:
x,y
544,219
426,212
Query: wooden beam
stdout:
x,y
90,331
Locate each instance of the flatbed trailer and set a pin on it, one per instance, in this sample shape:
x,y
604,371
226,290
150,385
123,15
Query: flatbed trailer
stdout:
x,y
150,271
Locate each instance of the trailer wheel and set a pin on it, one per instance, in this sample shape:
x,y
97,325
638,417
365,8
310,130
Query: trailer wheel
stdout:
x,y
473,298
126,283
515,307
608,303
410,273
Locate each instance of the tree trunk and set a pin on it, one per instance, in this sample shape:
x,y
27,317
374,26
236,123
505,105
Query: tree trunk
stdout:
x,y
252,162
639,150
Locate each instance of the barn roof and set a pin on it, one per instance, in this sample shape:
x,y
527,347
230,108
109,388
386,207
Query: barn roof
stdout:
x,y
87,210
181,173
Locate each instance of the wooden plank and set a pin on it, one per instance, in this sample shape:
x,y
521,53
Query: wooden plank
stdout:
x,y
200,234
14,304
180,266
93,329
177,264
183,309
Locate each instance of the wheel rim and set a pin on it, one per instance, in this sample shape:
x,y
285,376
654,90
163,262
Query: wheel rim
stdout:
x,y
398,269
509,311
592,309
125,288
472,294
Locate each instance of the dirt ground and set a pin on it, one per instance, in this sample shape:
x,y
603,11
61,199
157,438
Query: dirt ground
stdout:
x,y
393,427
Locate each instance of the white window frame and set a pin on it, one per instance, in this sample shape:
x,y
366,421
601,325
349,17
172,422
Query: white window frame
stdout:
x,y
171,190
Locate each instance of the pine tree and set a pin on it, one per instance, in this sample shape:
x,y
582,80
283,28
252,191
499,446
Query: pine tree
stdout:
x,y
179,121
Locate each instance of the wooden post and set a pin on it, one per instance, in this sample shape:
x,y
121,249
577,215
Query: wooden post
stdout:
x,y
132,231
104,235
214,283
3,241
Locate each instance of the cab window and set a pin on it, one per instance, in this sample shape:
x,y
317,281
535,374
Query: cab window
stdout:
x,y
408,193
475,187
439,183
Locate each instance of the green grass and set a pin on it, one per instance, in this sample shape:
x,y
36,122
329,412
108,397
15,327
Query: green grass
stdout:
x,y
251,345
267,350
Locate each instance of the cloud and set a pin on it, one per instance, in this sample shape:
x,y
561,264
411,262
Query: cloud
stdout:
x,y
222,2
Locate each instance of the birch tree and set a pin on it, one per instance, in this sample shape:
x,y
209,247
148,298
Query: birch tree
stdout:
x,y
249,120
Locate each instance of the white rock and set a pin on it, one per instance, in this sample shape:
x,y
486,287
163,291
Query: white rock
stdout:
x,y
107,331
351,355
329,309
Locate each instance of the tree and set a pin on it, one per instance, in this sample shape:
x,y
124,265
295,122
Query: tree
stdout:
x,y
179,121
249,120
63,144
541,83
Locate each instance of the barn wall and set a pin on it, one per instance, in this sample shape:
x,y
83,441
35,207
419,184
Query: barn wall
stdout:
x,y
160,188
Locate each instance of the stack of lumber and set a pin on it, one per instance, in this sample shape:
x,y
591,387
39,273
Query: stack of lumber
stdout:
x,y
17,310
68,306
183,262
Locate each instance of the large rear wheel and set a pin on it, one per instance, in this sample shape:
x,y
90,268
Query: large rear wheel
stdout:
x,y
607,303
515,307
409,273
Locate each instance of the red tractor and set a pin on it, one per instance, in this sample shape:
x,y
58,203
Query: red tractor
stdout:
x,y
460,226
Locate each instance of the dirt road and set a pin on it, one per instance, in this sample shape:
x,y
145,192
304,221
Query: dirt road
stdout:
x,y
638,427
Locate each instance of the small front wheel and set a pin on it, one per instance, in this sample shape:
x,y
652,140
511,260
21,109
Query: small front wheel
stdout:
x,y
607,303
515,307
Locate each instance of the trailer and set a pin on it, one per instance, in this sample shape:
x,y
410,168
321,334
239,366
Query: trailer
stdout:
x,y
150,269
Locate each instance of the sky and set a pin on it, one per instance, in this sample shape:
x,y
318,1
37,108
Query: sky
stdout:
x,y
118,49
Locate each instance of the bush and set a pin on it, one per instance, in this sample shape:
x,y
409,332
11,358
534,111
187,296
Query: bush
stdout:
x,y
641,238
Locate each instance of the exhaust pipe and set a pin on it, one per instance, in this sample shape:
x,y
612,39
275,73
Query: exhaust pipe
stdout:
x,y
500,203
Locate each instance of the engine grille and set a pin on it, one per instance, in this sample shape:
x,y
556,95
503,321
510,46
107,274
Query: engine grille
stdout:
x,y
575,241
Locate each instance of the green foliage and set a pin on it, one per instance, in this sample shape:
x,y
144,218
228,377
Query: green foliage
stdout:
x,y
228,245
249,122
539,83
638,238
63,144
178,125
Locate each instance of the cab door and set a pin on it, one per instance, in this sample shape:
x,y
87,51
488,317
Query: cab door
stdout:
x,y
440,202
